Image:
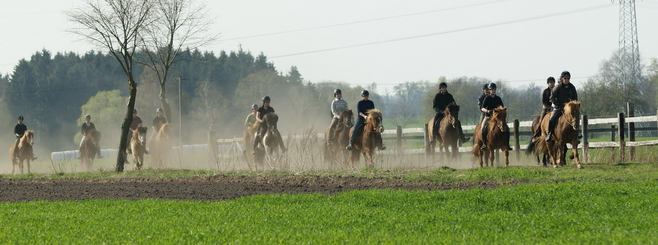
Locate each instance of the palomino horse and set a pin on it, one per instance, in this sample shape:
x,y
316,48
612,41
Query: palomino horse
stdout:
x,y
138,146
566,131
335,141
497,137
24,152
370,139
449,130
248,141
88,149
161,146
271,138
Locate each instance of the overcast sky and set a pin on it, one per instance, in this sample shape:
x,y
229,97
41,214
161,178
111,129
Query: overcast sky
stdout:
x,y
383,42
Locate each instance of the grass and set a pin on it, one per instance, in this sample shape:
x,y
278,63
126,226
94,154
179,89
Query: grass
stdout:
x,y
556,213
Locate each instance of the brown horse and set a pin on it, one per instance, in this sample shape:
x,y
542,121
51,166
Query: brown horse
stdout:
x,y
161,146
271,138
566,131
24,152
449,130
335,141
138,146
89,148
497,137
248,141
370,138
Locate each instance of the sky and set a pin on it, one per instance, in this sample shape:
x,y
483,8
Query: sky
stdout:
x,y
383,42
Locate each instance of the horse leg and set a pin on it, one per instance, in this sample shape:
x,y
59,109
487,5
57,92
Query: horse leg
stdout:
x,y
506,157
574,151
492,154
552,154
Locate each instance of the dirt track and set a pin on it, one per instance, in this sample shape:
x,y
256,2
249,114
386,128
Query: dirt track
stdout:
x,y
199,188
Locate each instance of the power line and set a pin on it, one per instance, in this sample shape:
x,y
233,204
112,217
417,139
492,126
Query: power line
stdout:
x,y
361,21
448,32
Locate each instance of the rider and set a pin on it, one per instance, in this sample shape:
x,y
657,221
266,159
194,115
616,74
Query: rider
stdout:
x,y
492,101
362,108
441,100
86,126
158,121
338,106
260,113
546,103
251,118
562,94
19,131
137,123
485,92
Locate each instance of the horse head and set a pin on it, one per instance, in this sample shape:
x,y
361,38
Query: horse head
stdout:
x,y
164,131
140,135
28,137
347,118
375,120
271,119
572,113
452,111
499,117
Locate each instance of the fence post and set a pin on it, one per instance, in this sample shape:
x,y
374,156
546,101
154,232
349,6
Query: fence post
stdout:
x,y
630,112
212,144
398,129
517,144
620,131
583,127
427,141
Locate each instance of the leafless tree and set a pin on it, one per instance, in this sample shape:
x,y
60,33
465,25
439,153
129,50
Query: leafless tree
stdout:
x,y
116,25
177,24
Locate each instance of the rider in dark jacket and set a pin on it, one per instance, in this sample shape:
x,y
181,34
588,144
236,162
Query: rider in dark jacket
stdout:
x,y
362,108
485,93
261,129
490,102
562,94
546,103
19,131
441,100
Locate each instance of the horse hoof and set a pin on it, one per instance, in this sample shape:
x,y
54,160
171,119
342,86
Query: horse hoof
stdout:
x,y
580,167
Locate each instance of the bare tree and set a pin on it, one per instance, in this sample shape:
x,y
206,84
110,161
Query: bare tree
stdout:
x,y
177,24
116,25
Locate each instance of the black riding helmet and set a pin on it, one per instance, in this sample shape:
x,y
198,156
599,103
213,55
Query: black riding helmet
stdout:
x,y
20,117
550,79
365,93
266,98
441,85
337,91
254,106
492,86
564,74
485,87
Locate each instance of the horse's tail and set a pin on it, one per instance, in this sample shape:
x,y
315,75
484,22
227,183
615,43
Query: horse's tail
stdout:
x,y
531,147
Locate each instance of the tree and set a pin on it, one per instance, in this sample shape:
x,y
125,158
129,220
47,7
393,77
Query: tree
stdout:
x,y
105,111
116,25
404,109
176,24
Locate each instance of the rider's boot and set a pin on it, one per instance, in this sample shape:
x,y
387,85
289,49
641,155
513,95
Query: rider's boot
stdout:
x,y
34,157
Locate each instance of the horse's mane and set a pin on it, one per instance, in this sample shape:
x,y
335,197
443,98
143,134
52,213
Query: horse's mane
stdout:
x,y
25,138
270,117
567,108
374,113
346,113
494,115
450,108
164,129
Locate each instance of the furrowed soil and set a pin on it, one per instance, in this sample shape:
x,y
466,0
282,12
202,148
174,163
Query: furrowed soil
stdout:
x,y
210,188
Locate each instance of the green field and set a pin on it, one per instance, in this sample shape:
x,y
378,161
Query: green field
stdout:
x,y
602,204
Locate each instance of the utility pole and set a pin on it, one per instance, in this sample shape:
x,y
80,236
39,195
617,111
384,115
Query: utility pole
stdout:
x,y
180,113
629,49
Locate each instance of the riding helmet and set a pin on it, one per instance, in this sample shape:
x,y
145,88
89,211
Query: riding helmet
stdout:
x,y
158,110
20,117
441,85
564,74
254,106
266,98
492,86
550,79
87,116
485,87
134,111
365,93
337,91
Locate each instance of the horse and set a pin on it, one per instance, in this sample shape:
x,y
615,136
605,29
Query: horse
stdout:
x,y
138,146
566,131
497,137
161,146
24,152
370,138
335,141
448,130
248,141
536,126
88,149
271,139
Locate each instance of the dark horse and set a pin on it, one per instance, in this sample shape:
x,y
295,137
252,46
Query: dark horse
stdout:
x,y
497,137
271,139
248,141
370,139
88,149
566,131
449,129
335,141
24,152
161,146
536,126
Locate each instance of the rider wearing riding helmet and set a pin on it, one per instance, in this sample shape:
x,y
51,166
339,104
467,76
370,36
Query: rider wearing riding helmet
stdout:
x,y
260,113
158,121
441,100
362,108
485,93
251,118
338,106
546,104
86,126
561,95
136,123
19,131
490,102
